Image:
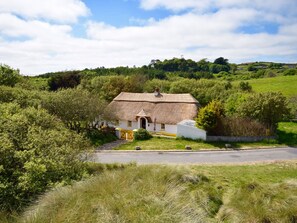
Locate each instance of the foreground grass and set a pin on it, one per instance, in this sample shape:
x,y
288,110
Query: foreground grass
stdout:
x,y
246,193
285,84
287,133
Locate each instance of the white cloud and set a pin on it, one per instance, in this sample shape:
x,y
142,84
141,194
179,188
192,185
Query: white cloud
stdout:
x,y
196,35
53,10
17,27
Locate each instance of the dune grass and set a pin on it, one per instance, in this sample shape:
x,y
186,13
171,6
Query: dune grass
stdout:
x,y
155,193
285,84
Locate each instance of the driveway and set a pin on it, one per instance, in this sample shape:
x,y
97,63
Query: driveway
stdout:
x,y
202,157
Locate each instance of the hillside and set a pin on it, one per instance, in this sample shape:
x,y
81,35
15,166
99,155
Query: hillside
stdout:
x,y
248,193
285,84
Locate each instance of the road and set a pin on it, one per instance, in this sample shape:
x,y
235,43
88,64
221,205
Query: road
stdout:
x,y
202,157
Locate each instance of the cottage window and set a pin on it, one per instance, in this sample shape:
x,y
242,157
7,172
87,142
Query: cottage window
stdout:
x,y
162,126
129,124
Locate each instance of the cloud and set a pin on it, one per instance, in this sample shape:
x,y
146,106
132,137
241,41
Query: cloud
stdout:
x,y
285,6
194,34
34,28
53,10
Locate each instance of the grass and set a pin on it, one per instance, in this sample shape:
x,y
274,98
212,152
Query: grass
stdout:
x,y
155,193
156,143
160,143
284,84
287,133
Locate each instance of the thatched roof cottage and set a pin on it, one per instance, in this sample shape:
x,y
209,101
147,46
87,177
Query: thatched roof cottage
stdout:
x,y
153,111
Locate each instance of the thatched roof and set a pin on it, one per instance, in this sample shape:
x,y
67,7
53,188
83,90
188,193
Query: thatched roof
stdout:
x,y
164,108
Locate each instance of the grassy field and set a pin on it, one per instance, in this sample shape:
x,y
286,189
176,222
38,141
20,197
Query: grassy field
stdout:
x,y
285,84
245,193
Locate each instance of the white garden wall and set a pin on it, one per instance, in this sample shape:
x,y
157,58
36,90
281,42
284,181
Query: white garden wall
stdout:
x,y
187,129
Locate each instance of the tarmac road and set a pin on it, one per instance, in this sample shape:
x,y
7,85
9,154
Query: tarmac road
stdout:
x,y
201,157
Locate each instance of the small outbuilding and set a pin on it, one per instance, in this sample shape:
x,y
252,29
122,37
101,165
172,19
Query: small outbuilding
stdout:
x,y
187,129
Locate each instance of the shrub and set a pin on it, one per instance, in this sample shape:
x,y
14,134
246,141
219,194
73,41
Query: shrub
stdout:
x,y
36,153
101,136
142,134
245,86
268,108
234,126
290,72
208,116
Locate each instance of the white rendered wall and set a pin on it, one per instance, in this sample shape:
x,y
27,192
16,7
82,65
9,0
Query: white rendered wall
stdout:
x,y
149,126
187,129
124,125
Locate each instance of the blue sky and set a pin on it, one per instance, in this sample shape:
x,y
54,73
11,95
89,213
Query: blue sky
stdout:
x,y
42,36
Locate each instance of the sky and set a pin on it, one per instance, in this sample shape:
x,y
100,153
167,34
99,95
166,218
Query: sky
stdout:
x,y
57,35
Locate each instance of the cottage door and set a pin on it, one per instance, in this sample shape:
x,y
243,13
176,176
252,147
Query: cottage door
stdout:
x,y
143,123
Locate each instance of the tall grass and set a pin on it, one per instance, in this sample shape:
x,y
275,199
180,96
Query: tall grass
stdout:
x,y
144,194
248,193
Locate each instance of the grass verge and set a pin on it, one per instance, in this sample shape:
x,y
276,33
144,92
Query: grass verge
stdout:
x,y
287,135
244,193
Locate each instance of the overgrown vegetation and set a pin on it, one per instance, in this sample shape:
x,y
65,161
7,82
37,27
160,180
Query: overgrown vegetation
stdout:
x,y
36,153
246,193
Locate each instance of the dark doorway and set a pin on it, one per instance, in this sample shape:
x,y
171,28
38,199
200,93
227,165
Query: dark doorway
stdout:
x,y
143,123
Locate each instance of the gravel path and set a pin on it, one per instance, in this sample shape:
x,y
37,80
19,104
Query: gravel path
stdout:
x,y
111,145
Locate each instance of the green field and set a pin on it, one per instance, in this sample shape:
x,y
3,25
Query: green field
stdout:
x,y
285,84
242,193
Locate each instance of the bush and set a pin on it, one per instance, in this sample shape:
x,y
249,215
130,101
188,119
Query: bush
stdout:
x,y
142,134
36,153
208,116
245,86
290,72
268,108
234,126
101,136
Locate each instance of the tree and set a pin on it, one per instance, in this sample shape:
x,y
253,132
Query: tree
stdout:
x,y
36,153
77,108
9,76
268,108
69,79
208,116
221,61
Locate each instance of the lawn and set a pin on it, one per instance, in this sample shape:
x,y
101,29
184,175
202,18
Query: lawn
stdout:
x,y
158,193
158,143
287,132
285,84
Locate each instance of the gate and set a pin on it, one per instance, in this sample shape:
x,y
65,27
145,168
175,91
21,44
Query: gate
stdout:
x,y
127,134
